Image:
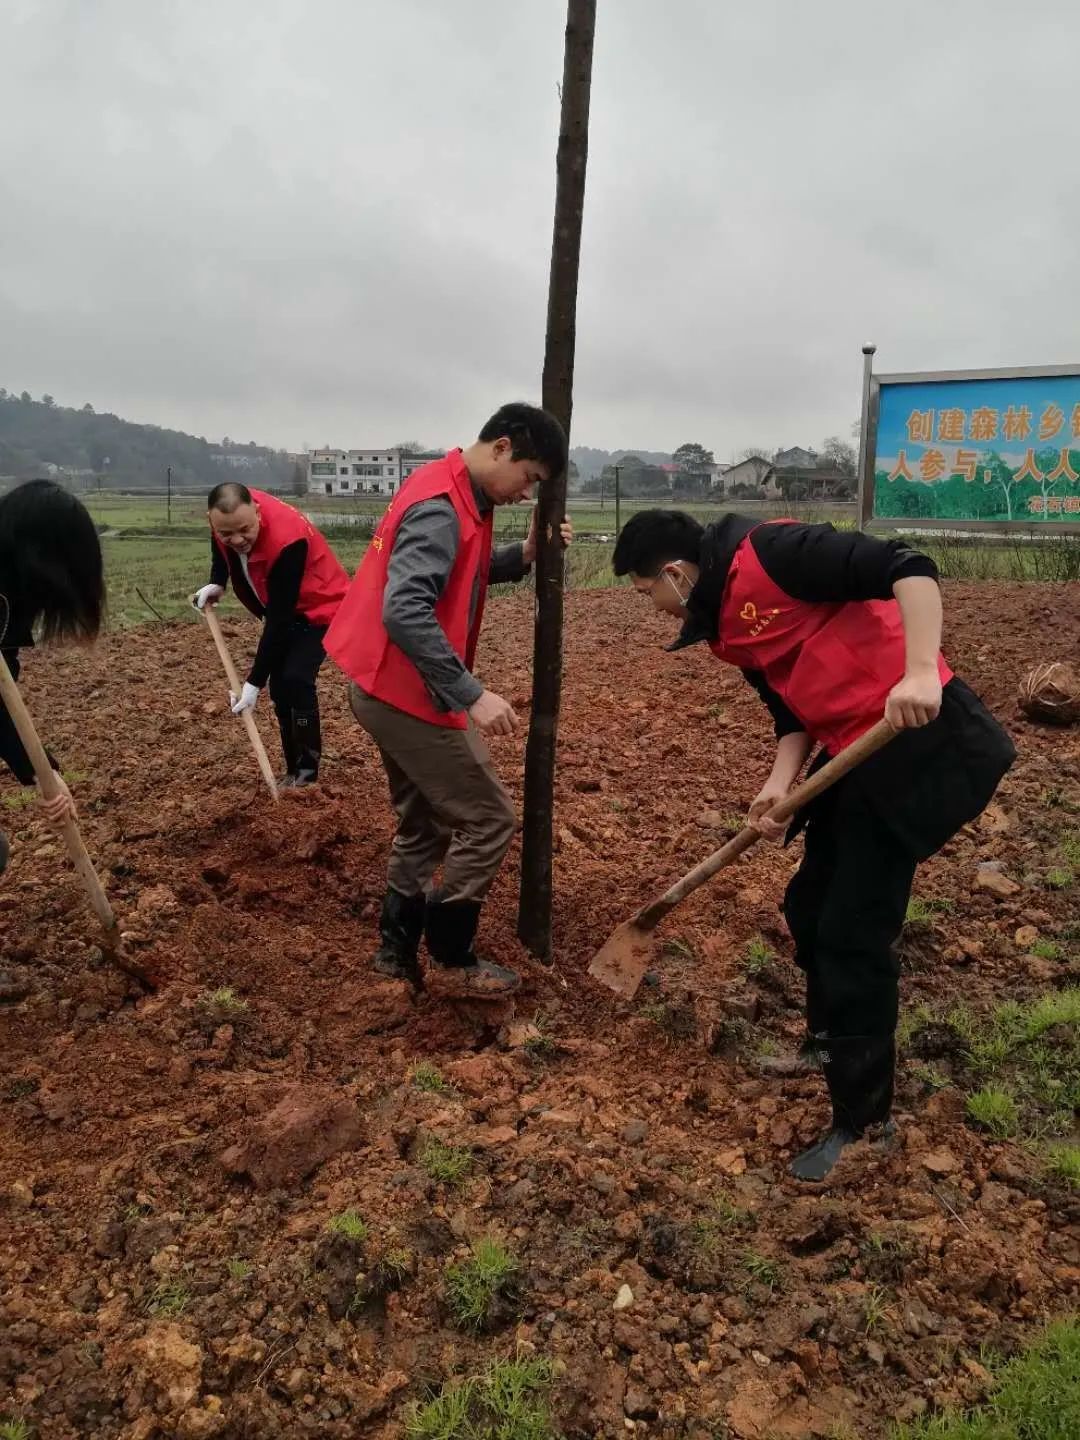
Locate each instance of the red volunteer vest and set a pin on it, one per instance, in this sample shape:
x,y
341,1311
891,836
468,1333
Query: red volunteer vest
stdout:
x,y
325,581
357,640
832,665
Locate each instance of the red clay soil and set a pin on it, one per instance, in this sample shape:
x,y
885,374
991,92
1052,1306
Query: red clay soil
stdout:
x,y
150,1287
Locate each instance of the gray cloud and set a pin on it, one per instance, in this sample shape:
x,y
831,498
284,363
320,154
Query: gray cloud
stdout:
x,y
330,220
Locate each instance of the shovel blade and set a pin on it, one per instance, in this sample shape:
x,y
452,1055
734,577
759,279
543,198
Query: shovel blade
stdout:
x,y
623,959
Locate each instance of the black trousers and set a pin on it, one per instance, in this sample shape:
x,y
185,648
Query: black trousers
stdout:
x,y
845,907
292,678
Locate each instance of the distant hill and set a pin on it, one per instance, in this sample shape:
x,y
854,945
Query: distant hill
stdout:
x,y
82,448
590,462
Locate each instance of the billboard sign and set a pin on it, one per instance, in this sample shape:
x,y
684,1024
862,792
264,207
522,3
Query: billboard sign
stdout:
x,y
986,449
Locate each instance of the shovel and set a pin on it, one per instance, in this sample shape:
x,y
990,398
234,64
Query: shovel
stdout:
x,y
234,684
624,957
73,841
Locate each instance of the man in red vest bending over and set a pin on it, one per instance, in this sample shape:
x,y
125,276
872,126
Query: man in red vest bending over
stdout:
x,y
406,637
834,630
285,573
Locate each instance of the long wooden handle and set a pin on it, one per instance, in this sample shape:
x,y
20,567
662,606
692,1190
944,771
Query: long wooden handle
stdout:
x,y
840,765
46,779
235,685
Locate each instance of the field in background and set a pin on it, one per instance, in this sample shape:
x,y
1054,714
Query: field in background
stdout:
x,y
167,562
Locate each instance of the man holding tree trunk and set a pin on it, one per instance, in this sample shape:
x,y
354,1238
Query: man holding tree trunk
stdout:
x,y
406,636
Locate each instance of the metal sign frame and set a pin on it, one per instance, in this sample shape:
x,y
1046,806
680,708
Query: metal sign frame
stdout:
x,y
872,384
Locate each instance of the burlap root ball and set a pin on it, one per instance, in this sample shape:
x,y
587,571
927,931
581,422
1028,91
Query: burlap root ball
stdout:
x,y
1051,692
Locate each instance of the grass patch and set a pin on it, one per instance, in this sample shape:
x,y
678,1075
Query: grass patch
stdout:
x,y
1046,950
876,1308
350,1225
168,1299
762,1270
723,1218
1037,1397
509,1401
474,1287
1060,878
1063,1162
238,1269
1070,849
429,1078
678,1022
756,956
448,1164
13,1429
994,1110
223,1001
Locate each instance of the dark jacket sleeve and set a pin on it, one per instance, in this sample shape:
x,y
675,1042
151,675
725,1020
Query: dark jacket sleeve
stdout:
x,y
11,747
819,564
219,566
507,564
282,593
784,722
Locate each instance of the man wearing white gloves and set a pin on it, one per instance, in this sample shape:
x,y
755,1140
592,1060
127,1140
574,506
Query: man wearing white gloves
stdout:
x,y
285,573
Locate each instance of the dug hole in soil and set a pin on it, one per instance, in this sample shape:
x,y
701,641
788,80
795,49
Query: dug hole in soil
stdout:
x,y
170,1162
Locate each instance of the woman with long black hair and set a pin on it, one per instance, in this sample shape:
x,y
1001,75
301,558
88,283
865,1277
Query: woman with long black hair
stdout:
x,y
52,584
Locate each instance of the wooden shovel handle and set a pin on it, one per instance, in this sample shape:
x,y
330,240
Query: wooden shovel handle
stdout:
x,y
835,769
46,779
235,685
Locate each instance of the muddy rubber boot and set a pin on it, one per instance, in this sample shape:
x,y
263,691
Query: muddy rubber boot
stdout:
x,y
450,930
288,748
806,1060
307,742
859,1071
401,926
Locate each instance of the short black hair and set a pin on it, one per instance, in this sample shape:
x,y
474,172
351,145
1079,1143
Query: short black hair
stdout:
x,y
652,539
534,434
227,496
51,571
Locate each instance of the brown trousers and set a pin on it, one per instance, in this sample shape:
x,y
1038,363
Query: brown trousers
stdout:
x,y
452,808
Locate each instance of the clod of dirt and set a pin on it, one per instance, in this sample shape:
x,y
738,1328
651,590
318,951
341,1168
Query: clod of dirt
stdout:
x,y
308,1127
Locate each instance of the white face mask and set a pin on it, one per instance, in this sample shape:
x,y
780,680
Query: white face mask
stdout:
x,y
682,599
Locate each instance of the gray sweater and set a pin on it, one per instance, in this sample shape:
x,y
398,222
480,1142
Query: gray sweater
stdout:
x,y
421,561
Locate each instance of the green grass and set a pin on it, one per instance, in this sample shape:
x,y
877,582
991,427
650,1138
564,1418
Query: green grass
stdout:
x,y
238,1269
429,1078
994,1110
1046,950
1060,877
473,1286
509,1401
168,1299
1070,849
224,1001
348,1224
723,1218
13,1429
762,1270
1063,1162
876,1308
448,1164
1037,1397
922,912
756,956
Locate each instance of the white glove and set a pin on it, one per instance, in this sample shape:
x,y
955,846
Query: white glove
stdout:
x,y
207,595
248,695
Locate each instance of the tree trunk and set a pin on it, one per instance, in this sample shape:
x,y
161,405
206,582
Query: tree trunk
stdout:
x,y
534,910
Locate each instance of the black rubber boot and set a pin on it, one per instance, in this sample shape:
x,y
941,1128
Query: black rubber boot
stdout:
x,y
305,748
450,930
807,1060
4,852
401,926
859,1071
288,746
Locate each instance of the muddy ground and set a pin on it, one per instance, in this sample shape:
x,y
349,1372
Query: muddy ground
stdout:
x,y
150,1288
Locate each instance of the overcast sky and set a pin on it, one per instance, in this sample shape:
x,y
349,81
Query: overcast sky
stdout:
x,y
329,221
